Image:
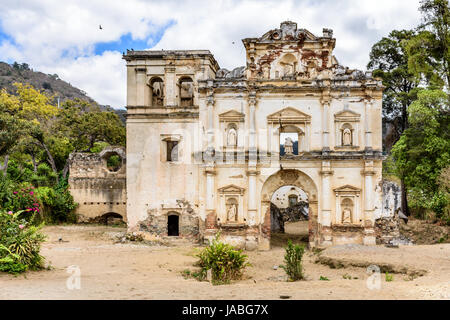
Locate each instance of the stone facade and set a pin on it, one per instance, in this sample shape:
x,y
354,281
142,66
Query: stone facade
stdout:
x,y
208,139
99,191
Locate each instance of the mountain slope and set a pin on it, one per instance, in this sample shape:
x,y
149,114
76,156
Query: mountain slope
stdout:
x,y
51,84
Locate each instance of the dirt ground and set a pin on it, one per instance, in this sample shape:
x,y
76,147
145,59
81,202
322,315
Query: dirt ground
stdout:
x,y
131,270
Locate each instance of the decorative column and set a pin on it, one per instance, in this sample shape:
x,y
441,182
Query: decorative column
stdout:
x,y
252,203
324,218
252,147
368,132
211,216
210,126
170,94
140,85
252,162
325,125
369,193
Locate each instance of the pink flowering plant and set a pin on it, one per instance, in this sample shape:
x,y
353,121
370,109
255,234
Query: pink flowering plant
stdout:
x,y
20,243
24,199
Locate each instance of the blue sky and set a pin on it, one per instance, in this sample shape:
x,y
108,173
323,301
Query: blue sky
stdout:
x,y
126,41
63,37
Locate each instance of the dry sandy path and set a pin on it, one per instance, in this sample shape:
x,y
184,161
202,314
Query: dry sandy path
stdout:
x,y
135,271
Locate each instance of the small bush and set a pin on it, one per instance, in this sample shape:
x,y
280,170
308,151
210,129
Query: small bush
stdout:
x,y
293,261
20,243
324,278
58,204
389,277
225,262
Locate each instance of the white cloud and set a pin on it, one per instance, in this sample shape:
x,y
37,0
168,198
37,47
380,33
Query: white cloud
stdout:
x,y
59,36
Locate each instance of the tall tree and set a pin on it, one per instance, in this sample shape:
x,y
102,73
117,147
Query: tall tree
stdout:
x,y
389,60
423,150
429,50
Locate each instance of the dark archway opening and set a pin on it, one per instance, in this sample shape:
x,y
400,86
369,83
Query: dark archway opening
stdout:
x,y
173,225
111,219
289,211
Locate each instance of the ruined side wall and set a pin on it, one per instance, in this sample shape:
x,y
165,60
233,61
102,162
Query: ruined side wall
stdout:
x,y
97,190
158,188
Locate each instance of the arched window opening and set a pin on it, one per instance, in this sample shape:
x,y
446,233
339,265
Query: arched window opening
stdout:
x,y
288,66
157,92
172,150
173,225
290,141
186,87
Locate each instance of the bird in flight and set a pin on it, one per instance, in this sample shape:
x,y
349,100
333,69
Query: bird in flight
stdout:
x,y
100,27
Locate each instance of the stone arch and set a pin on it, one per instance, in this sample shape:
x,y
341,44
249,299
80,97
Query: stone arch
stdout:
x,y
186,91
156,85
296,178
110,218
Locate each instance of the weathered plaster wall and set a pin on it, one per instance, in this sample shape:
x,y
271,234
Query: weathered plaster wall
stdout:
x,y
291,81
97,190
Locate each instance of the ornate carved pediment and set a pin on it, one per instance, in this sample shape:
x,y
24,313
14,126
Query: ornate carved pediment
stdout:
x,y
231,116
231,189
287,32
347,189
347,116
289,115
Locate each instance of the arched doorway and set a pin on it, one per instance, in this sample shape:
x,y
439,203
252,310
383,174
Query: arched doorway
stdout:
x,y
173,225
289,214
295,179
111,218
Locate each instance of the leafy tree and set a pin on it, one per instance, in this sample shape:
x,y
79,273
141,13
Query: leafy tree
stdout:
x,y
424,150
429,50
389,60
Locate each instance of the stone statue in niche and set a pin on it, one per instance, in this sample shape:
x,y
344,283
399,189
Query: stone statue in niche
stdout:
x,y
232,212
288,69
232,138
157,93
347,216
187,91
288,146
347,137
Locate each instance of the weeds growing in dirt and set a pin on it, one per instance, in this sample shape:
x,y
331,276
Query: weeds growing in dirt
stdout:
x,y
389,277
293,261
225,262
324,278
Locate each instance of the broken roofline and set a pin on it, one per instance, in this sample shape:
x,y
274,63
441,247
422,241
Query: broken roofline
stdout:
x,y
168,54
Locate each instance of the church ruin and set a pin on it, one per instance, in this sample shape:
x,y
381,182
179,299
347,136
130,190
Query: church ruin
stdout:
x,y
207,148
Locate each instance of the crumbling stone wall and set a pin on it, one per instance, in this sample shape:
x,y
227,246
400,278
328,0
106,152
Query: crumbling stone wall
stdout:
x,y
189,223
99,192
387,226
388,231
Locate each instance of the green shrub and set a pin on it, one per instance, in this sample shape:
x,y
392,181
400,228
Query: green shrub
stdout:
x,y
293,261
20,243
114,162
6,191
225,262
57,203
389,277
